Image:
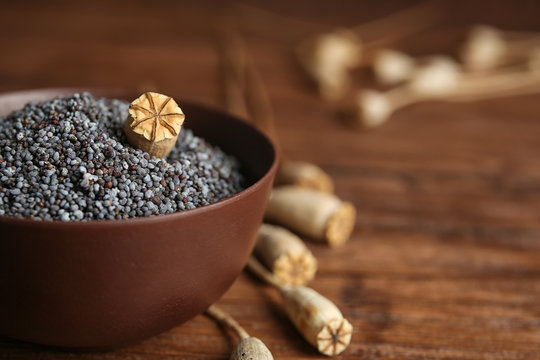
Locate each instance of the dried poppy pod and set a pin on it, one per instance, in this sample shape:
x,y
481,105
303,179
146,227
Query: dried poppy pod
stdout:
x,y
317,318
319,215
328,59
488,48
392,67
484,49
438,75
153,123
285,254
372,108
251,348
304,174
434,73
248,347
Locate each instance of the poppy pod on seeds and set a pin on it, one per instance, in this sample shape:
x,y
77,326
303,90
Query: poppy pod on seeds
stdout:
x,y
153,123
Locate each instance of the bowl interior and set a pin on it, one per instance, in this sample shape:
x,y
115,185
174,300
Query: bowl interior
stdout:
x,y
254,150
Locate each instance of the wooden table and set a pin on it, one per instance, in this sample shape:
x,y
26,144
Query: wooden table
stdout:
x,y
445,259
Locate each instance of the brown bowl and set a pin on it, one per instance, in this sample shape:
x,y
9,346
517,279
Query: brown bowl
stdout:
x,y
104,284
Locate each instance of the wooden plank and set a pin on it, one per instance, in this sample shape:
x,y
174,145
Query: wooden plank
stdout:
x,y
445,259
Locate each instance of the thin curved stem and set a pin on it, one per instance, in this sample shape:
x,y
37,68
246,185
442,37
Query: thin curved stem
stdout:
x,y
226,320
258,269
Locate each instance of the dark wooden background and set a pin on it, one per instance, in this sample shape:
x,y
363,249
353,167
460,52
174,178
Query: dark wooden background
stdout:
x,y
445,259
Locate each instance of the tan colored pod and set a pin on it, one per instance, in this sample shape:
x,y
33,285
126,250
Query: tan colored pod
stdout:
x,y
328,58
392,67
319,215
317,319
251,348
153,123
285,254
439,75
484,49
304,174
314,316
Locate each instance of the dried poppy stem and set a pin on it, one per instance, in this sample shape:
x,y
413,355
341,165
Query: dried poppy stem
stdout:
x,y
374,108
248,347
247,97
233,64
258,269
319,215
245,94
290,28
534,62
226,320
408,20
401,23
285,254
258,101
319,321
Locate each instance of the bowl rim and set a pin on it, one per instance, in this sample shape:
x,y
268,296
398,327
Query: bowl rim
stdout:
x,y
141,220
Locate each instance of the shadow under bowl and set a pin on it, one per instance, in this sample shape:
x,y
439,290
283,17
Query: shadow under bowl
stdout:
x,y
103,284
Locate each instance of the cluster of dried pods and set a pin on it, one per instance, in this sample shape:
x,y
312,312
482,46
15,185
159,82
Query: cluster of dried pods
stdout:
x,y
328,58
302,202
492,63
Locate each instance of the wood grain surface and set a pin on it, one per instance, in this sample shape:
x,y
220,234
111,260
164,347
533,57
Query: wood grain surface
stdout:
x,y
444,262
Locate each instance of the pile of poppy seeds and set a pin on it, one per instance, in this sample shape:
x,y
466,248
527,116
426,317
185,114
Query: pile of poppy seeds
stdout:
x,y
68,159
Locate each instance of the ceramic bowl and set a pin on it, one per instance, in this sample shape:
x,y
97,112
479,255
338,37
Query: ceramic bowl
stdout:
x,y
104,284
